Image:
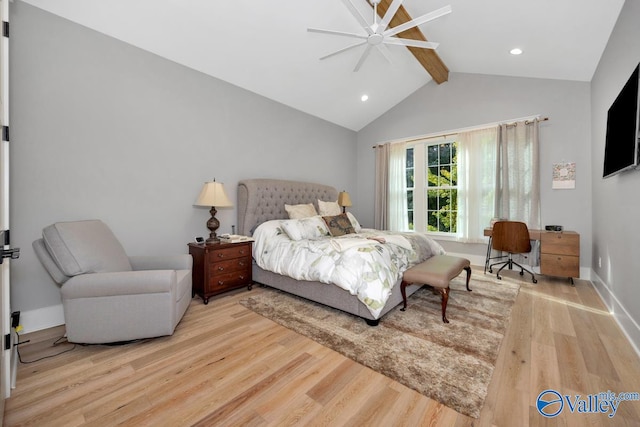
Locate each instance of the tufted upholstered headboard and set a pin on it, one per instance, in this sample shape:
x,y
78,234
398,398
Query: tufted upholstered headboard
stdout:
x,y
261,200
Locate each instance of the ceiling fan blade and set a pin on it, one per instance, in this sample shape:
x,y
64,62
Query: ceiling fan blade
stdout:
x,y
391,11
418,21
343,50
364,56
336,33
410,42
385,52
356,13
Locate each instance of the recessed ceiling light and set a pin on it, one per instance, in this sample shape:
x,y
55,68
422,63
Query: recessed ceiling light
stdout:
x,y
363,98
516,51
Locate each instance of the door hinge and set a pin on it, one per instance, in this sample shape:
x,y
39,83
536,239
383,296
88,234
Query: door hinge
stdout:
x,y
13,253
6,237
7,342
5,28
5,133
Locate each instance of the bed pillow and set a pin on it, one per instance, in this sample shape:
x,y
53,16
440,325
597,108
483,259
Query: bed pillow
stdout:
x,y
311,228
339,225
300,211
329,208
356,224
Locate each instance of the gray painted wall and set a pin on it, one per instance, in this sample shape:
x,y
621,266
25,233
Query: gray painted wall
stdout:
x,y
616,200
471,100
101,129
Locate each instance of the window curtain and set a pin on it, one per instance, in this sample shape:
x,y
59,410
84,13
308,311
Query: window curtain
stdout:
x,y
517,174
477,162
390,211
398,211
518,180
380,217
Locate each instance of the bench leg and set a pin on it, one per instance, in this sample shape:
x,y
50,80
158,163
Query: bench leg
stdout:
x,y
403,291
444,292
468,269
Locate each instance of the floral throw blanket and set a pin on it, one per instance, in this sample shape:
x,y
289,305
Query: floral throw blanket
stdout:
x,y
367,264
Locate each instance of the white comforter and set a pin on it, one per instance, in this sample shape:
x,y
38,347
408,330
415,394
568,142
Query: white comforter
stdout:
x,y
365,267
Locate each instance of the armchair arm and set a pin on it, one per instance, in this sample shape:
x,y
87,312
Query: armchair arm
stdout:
x,y
119,283
168,262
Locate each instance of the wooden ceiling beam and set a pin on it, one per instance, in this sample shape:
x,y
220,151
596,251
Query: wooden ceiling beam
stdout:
x,y
428,58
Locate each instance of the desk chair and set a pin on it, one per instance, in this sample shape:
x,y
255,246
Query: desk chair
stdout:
x,y
511,237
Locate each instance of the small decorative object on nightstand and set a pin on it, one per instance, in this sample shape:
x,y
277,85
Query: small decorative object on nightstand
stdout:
x,y
213,194
220,268
344,200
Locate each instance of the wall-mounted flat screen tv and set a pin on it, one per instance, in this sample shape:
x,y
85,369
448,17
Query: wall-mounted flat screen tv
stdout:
x,y
621,145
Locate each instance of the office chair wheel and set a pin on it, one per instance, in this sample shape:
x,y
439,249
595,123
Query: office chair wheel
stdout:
x,y
535,280
490,270
522,273
499,277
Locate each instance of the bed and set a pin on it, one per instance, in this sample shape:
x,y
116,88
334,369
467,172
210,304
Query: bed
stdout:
x,y
261,202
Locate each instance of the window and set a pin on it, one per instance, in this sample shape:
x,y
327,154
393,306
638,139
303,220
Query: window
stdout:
x,y
456,184
432,186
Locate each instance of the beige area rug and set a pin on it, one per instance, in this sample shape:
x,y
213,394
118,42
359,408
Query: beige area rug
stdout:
x,y
450,363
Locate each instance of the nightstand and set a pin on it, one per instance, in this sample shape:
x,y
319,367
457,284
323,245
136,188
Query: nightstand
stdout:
x,y
220,267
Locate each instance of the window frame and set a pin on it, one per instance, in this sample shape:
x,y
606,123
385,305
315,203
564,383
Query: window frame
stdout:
x,y
417,202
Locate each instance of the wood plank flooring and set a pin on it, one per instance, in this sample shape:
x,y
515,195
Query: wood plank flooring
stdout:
x,y
227,366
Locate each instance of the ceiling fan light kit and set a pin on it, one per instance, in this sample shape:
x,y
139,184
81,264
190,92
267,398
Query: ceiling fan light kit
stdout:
x,y
378,35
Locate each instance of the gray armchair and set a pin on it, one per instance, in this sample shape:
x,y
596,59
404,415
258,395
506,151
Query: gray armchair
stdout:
x,y
106,295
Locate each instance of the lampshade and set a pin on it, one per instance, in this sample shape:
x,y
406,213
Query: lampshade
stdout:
x,y
213,194
344,199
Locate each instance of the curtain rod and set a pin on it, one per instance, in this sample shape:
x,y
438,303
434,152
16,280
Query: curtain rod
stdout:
x,y
455,132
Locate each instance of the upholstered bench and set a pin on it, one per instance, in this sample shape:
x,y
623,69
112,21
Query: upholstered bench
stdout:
x,y
437,272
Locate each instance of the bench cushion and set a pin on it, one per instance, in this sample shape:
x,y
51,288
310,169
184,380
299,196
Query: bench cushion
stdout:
x,y
436,271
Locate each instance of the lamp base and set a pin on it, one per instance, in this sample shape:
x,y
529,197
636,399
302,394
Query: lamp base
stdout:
x,y
213,224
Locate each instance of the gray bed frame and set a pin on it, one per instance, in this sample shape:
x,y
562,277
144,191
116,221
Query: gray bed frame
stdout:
x,y
261,200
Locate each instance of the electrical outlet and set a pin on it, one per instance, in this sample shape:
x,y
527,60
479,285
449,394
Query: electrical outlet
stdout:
x,y
15,319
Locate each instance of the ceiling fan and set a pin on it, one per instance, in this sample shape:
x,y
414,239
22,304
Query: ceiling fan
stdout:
x,y
377,33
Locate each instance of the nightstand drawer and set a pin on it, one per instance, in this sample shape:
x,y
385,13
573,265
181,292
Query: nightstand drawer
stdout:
x,y
222,267
227,281
235,251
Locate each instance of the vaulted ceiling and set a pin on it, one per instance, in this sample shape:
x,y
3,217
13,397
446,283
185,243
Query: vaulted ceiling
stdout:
x,y
264,46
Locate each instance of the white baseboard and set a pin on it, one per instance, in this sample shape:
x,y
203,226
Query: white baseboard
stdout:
x,y
41,318
629,326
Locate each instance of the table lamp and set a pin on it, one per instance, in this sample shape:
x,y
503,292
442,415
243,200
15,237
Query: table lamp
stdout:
x,y
213,194
344,200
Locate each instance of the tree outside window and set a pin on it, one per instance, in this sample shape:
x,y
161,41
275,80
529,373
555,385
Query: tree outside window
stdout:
x,y
438,163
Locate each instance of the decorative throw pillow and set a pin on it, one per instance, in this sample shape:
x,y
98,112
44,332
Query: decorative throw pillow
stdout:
x,y
339,225
329,208
300,211
356,224
311,228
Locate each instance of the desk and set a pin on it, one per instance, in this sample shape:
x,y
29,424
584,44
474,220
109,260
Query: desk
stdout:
x,y
559,252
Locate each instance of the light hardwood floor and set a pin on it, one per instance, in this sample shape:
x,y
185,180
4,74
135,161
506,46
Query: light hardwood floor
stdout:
x,y
227,366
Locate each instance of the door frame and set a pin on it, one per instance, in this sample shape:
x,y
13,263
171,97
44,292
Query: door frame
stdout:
x,y
5,295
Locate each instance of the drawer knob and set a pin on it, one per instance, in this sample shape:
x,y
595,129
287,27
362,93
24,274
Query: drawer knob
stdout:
x,y
220,255
220,268
220,282
242,251
241,277
241,263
